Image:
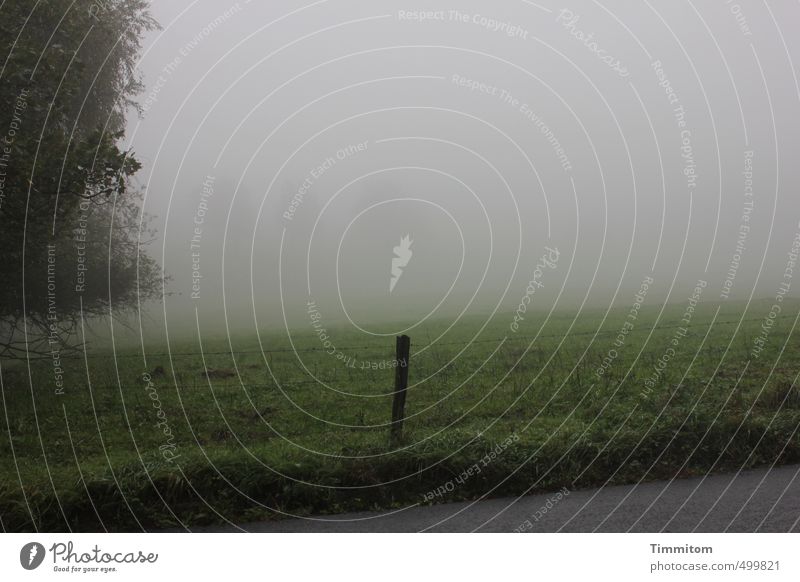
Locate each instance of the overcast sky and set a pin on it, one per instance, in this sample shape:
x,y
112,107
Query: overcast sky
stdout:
x,y
296,144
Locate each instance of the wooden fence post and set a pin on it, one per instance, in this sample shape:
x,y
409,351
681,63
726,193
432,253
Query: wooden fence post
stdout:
x,y
400,387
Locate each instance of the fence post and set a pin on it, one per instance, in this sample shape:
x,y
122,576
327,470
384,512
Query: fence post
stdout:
x,y
400,386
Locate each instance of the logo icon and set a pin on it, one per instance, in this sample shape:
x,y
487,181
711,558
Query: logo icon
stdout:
x,y
31,555
400,261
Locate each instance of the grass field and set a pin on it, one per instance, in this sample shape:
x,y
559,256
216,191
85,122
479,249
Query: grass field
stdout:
x,y
134,444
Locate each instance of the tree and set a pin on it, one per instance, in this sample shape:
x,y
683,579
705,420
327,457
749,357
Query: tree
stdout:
x,y
69,222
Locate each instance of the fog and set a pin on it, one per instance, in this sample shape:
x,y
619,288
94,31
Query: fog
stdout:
x,y
287,149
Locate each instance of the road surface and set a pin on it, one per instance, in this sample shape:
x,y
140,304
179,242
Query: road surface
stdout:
x,y
760,500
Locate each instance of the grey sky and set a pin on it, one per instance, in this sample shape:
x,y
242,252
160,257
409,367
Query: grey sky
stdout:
x,y
505,124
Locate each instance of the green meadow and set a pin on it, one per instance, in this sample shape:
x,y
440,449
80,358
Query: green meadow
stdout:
x,y
261,427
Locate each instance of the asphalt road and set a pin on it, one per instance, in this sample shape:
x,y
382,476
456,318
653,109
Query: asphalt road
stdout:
x,y
760,500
